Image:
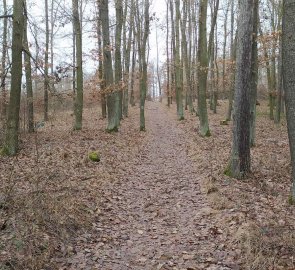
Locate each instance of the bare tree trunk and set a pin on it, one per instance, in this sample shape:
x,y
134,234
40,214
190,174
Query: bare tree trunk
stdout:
x,y
112,98
254,81
118,60
28,70
202,71
127,59
78,105
288,46
178,69
100,66
142,35
3,64
240,158
233,49
46,62
133,64
11,139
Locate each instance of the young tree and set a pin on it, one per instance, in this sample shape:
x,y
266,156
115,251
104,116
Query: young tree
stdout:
x,y
28,70
254,82
288,46
78,106
118,58
3,61
240,156
46,62
142,33
11,138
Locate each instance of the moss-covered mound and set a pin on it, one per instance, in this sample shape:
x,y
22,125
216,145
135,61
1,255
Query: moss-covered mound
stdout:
x,y
94,156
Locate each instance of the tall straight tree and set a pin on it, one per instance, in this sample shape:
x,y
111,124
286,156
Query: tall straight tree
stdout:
x,y
142,37
118,58
46,62
288,60
254,81
78,106
3,61
28,70
11,138
202,70
127,51
240,156
112,97
178,69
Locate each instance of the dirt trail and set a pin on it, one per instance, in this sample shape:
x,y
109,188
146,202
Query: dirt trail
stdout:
x,y
157,216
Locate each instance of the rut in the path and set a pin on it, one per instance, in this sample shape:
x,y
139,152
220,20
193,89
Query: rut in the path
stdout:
x,y
155,219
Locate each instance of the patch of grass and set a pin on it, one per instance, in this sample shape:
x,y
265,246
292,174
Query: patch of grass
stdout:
x,y
268,247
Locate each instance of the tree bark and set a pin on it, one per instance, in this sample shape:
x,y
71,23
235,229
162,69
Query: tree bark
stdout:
x,y
28,70
203,70
112,97
46,62
3,63
78,105
288,46
240,158
11,138
254,81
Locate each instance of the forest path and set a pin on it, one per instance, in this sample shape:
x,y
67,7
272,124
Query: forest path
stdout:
x,y
155,216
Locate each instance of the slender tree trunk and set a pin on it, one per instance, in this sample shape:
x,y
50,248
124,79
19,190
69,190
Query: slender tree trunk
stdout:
x,y
11,138
167,55
118,60
3,63
280,86
100,67
178,69
254,81
202,71
127,59
46,62
158,71
240,158
133,64
78,105
28,70
142,55
233,49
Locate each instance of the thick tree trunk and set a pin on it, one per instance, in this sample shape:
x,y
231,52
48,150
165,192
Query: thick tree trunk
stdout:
x,y
11,139
112,97
240,158
78,105
288,45
202,71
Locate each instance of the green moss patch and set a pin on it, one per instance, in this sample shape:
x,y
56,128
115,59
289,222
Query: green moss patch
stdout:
x,y
94,156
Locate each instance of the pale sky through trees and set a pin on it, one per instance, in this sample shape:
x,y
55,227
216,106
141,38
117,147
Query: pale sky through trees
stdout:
x,y
63,38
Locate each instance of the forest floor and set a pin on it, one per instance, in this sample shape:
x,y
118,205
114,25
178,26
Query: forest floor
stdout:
x,y
157,199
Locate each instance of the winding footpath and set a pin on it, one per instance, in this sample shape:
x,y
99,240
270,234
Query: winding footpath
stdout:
x,y
156,217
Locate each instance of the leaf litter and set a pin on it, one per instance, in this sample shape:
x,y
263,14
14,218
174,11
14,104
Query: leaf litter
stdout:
x,y
156,200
